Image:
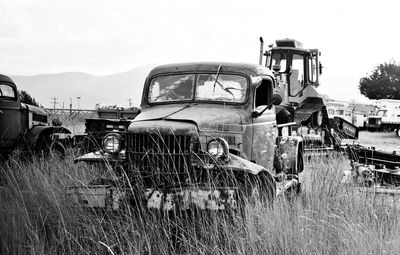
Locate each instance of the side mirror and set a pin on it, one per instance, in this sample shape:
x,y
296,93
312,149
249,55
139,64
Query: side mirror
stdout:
x,y
276,100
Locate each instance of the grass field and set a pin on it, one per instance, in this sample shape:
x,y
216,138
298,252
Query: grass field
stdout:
x,y
329,217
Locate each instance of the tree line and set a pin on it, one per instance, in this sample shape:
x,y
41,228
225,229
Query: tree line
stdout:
x,y
383,82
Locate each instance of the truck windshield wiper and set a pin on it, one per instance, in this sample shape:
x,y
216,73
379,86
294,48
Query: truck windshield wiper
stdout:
x,y
216,78
222,86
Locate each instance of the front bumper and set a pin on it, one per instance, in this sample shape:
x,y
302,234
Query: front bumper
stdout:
x,y
97,197
180,198
203,198
102,157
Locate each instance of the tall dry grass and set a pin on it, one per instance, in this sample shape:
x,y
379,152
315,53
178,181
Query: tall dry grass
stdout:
x,y
329,217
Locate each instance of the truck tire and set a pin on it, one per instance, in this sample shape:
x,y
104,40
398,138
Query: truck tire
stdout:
x,y
57,149
51,148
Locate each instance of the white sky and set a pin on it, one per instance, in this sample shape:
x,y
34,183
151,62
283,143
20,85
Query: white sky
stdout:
x,y
104,37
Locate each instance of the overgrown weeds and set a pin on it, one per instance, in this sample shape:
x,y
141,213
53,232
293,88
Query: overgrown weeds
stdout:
x,y
329,217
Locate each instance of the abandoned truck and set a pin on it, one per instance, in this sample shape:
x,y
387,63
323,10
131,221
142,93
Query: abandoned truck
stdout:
x,y
206,137
109,121
25,126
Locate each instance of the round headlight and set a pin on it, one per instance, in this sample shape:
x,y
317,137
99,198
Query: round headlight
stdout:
x,y
111,143
215,149
218,148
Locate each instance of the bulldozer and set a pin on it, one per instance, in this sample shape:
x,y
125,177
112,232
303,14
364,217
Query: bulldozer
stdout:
x,y
297,73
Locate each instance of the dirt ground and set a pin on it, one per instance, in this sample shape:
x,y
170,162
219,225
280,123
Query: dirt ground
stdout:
x,y
384,141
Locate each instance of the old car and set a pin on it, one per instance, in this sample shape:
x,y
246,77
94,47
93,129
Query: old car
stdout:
x,y
108,120
206,138
25,126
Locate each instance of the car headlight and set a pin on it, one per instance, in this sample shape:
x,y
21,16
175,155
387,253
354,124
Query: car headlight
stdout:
x,y
218,147
112,143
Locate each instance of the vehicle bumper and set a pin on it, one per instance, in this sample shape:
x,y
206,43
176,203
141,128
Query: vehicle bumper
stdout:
x,y
101,157
97,196
203,198
180,198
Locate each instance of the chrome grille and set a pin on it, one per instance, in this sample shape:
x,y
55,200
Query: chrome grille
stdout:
x,y
161,153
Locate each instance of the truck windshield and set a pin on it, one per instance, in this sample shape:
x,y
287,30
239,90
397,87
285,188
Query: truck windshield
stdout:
x,y
198,87
7,91
278,61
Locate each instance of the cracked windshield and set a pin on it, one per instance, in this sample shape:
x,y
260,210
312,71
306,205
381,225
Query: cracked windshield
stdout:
x,y
208,87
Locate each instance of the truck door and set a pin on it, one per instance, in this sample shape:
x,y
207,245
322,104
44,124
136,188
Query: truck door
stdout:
x,y
10,116
263,126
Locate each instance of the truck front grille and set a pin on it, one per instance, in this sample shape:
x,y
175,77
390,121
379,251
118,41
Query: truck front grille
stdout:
x,y
159,154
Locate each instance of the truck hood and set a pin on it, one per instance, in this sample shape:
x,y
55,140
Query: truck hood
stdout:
x,y
204,116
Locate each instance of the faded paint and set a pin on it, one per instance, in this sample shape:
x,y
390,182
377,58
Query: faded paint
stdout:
x,y
220,117
264,137
184,198
97,196
165,127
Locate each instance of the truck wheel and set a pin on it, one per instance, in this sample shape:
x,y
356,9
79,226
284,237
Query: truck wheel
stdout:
x,y
300,160
49,148
57,149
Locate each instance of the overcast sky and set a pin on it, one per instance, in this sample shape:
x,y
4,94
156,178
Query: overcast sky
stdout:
x,y
103,37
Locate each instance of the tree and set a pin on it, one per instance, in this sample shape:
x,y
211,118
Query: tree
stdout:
x,y
27,99
383,83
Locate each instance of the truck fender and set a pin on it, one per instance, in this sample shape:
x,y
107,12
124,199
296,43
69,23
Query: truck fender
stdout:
x,y
289,152
37,133
251,174
240,166
237,163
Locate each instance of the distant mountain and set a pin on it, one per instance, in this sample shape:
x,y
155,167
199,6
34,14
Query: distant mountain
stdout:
x,y
115,89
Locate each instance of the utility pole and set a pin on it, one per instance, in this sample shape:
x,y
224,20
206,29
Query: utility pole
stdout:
x,y
54,102
70,106
79,100
130,102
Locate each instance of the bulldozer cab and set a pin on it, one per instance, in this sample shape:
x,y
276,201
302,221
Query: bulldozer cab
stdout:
x,y
294,68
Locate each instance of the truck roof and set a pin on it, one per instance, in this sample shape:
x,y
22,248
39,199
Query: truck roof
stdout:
x,y
4,78
248,69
